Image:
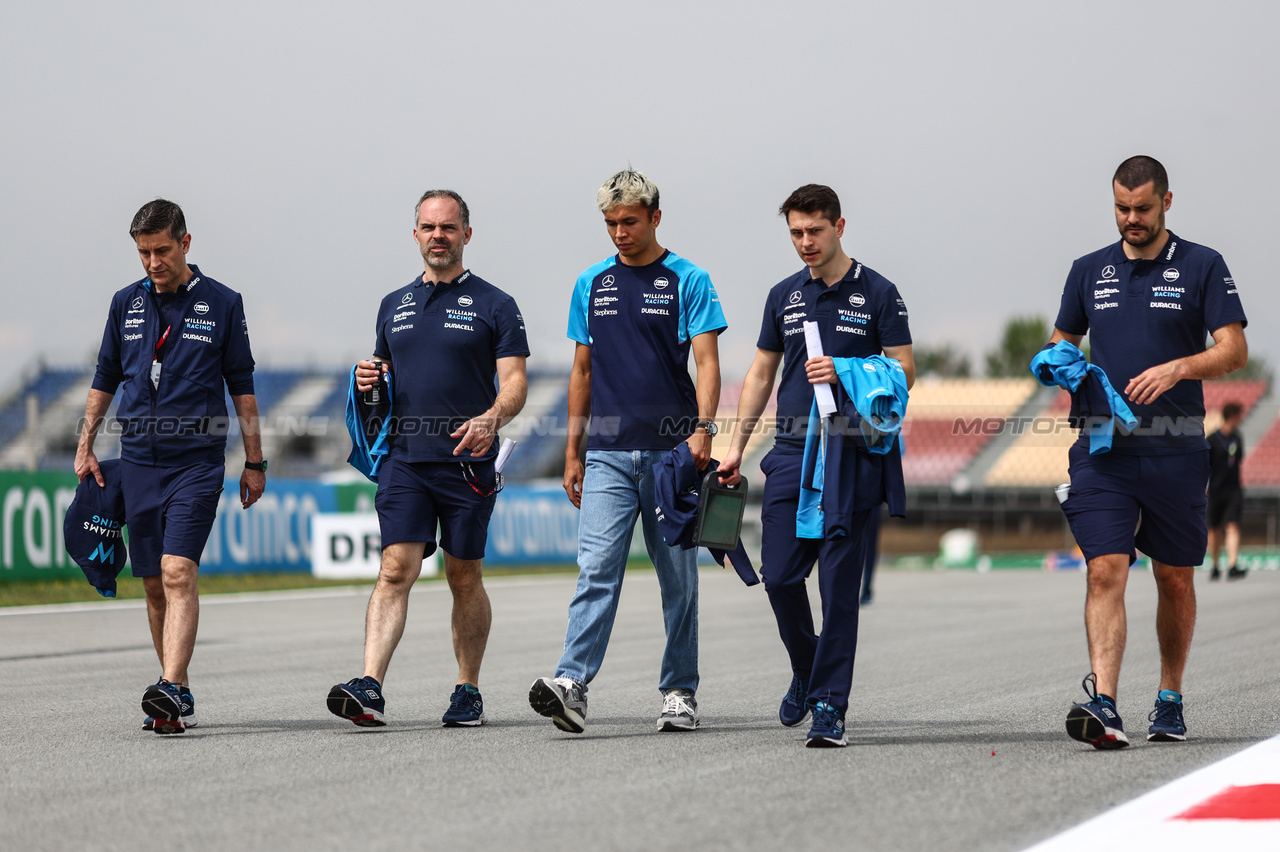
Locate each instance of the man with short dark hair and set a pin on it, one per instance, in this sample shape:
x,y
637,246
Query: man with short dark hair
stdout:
x,y
173,342
441,338
859,314
634,319
1226,496
1147,303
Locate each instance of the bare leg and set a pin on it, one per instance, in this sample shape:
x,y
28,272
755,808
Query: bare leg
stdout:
x,y
1175,621
154,587
1104,618
472,616
1215,546
181,616
389,605
1233,545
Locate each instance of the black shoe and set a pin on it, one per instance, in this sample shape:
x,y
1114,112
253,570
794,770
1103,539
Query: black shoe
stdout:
x,y
162,702
1216,573
1235,573
1096,722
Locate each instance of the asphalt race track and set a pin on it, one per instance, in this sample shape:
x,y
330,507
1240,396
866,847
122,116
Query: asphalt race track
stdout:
x,y
951,667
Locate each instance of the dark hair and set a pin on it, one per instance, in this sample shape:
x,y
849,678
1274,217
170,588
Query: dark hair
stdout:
x,y
443,193
813,198
1231,410
1137,171
159,215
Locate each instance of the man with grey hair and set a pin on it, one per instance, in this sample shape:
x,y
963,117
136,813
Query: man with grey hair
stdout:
x,y
440,339
634,319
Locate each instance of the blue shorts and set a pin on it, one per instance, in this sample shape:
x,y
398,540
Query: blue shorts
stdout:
x,y
414,496
1155,504
169,510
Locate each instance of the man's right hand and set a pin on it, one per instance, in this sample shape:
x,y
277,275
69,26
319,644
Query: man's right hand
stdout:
x,y
87,463
732,461
367,374
573,473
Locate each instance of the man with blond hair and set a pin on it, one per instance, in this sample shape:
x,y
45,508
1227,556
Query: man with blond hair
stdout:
x,y
634,318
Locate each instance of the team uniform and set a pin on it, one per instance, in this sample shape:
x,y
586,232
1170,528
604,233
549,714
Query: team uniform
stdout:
x,y
443,342
857,317
639,322
173,416
1226,497
1140,313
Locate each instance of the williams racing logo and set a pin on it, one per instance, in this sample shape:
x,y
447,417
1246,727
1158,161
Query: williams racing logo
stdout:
x,y
1167,296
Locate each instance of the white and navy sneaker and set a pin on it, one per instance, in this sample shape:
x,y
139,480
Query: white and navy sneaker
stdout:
x,y
1096,721
162,702
679,711
186,713
360,700
795,705
1166,721
827,730
562,700
466,708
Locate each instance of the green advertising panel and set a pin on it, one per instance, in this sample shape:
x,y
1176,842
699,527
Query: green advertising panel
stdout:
x,y
32,506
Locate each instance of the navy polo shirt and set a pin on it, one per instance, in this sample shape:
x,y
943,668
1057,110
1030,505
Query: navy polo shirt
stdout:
x,y
857,317
639,321
1139,313
444,342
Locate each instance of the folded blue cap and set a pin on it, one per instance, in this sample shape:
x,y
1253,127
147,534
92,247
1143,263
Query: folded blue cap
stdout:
x,y
93,531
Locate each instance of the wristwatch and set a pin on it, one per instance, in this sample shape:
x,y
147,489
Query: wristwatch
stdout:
x,y
262,465
709,425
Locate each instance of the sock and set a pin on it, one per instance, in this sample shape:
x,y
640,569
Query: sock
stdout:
x,y
1170,696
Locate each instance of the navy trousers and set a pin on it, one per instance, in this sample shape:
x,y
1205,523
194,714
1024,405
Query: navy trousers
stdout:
x,y
826,659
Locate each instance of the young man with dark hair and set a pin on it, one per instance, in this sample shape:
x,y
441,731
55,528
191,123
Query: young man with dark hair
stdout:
x,y
1226,496
859,314
1147,303
634,319
441,338
173,342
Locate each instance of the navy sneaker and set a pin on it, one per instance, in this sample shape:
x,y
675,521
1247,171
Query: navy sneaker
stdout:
x,y
1235,573
795,706
186,714
562,700
360,700
1166,720
827,730
1096,722
466,708
162,702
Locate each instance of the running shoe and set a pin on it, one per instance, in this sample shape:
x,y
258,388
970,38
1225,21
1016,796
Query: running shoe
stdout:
x,y
1216,573
679,711
162,702
187,714
1166,719
1235,573
466,708
1096,722
360,700
827,730
795,706
562,700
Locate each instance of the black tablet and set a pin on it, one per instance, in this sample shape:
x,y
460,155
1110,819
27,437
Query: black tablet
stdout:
x,y
720,508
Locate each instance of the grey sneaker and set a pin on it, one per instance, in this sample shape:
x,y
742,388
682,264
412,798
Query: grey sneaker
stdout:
x,y
679,711
562,700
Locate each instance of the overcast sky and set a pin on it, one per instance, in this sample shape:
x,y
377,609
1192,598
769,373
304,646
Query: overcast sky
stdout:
x,y
971,143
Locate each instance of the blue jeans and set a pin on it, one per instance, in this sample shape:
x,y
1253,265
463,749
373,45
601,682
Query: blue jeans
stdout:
x,y
617,485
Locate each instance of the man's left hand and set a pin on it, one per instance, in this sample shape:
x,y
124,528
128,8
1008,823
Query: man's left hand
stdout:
x,y
476,434
1147,386
252,484
700,448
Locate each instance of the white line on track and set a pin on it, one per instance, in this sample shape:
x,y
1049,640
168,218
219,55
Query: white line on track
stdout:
x,y
1147,822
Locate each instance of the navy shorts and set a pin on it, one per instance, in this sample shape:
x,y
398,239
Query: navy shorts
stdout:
x,y
169,510
1226,507
414,496
1155,504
